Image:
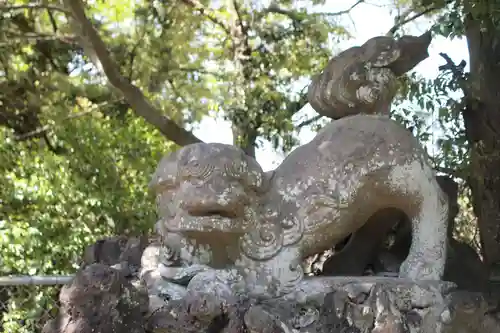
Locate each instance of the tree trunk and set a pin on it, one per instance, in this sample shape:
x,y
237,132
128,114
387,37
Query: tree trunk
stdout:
x,y
248,144
482,124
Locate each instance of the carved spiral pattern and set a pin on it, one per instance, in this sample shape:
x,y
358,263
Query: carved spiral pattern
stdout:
x,y
262,242
383,84
232,170
295,278
327,91
198,170
344,95
293,230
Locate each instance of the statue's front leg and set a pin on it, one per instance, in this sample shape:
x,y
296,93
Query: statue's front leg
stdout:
x,y
270,257
271,277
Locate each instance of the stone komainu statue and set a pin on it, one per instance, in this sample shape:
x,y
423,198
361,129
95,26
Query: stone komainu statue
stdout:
x,y
234,237
323,191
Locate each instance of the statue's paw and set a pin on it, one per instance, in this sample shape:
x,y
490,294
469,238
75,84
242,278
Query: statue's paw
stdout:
x,y
202,306
421,268
257,320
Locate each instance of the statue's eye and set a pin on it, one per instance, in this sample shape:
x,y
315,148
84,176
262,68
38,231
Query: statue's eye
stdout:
x,y
195,169
166,186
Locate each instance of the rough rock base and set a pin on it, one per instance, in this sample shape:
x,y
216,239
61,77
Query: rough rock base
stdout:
x,y
362,305
101,299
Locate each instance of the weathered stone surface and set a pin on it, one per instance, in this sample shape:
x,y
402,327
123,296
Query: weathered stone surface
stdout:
x,y
250,230
321,193
328,188
365,248
463,265
205,190
386,306
343,304
99,300
363,79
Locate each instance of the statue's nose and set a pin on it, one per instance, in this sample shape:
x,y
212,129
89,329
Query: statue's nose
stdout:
x,y
225,204
226,209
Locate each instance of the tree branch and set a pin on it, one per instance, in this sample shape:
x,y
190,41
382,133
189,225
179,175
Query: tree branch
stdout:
x,y
451,172
7,8
197,70
132,94
178,94
21,22
457,72
208,13
13,38
309,121
297,106
52,21
293,15
237,10
405,18
45,128
342,12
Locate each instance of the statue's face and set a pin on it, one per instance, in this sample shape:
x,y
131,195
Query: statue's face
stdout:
x,y
207,188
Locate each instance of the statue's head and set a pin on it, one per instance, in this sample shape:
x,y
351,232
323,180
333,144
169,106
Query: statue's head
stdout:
x,y
208,187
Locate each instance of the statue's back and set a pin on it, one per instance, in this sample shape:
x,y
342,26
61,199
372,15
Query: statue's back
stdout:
x,y
353,145
354,167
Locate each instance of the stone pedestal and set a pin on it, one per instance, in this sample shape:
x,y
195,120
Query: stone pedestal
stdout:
x,y
331,305
200,299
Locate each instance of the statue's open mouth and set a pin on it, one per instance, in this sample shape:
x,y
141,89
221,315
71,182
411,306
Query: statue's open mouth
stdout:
x,y
215,213
216,221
